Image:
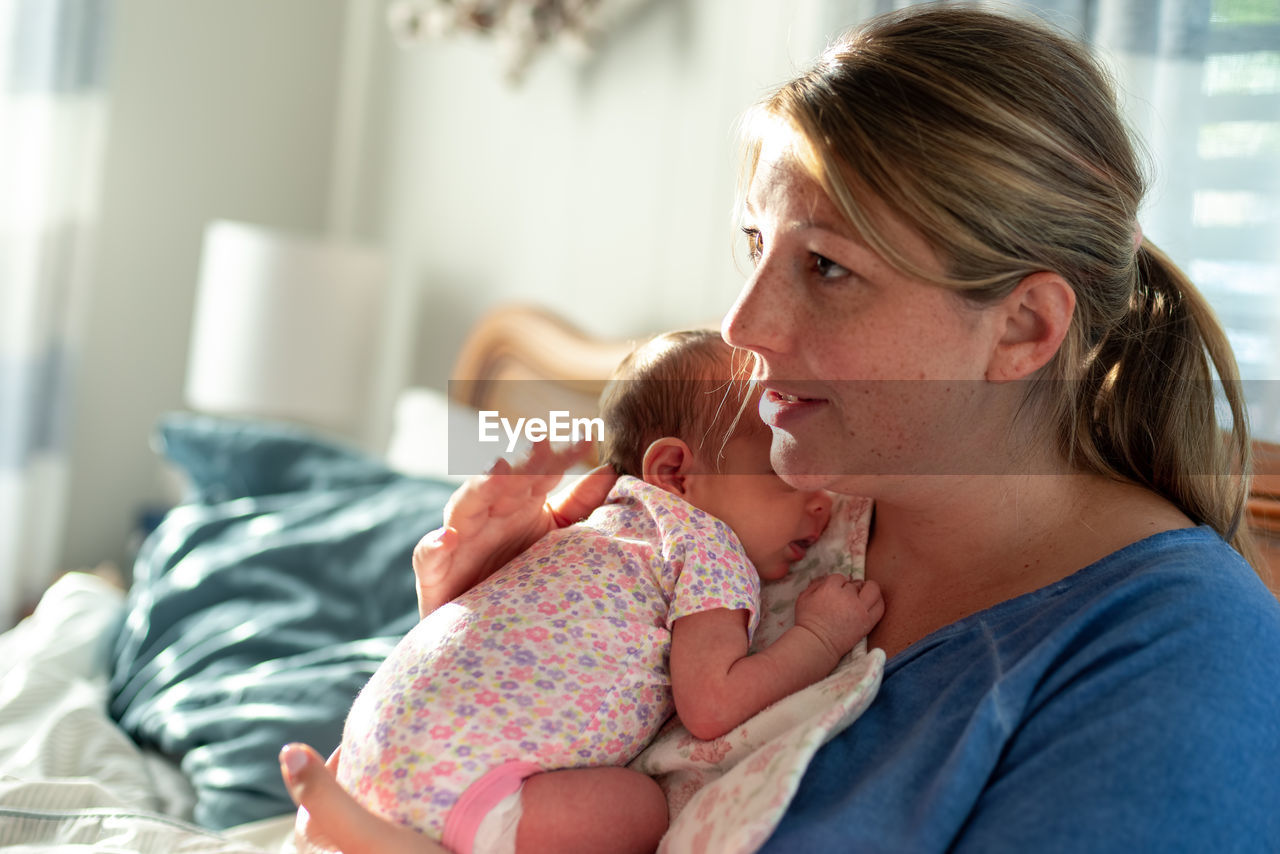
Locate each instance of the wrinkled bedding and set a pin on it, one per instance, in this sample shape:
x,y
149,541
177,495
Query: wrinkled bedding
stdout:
x,y
70,779
259,608
263,604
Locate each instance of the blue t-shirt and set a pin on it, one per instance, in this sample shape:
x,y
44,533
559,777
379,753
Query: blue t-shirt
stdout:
x,y
1134,706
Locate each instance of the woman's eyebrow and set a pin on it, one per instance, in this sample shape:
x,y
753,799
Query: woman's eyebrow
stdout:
x,y
749,215
748,219
838,230
818,224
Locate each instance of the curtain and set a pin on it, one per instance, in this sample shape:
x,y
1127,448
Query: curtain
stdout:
x,y
1199,81
52,124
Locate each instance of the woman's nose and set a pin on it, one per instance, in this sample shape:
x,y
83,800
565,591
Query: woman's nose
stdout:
x,y
751,323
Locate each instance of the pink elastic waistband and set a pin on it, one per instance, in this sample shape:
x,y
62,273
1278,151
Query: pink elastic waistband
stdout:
x,y
480,797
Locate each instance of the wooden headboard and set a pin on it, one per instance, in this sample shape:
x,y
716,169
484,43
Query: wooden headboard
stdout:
x,y
520,342
1264,507
524,361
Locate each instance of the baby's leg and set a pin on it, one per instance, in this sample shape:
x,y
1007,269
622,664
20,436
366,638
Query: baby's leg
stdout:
x,y
591,810
329,819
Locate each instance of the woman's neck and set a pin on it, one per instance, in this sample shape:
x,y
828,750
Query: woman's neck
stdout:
x,y
944,548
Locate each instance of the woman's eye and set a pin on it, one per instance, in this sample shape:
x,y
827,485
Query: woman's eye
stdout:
x,y
826,268
755,243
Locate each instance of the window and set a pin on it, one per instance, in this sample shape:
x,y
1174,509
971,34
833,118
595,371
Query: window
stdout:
x,y
1215,206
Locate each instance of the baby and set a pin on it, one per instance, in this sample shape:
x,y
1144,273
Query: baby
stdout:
x,y
502,721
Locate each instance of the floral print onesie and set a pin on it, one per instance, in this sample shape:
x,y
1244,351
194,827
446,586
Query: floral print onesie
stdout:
x,y
559,659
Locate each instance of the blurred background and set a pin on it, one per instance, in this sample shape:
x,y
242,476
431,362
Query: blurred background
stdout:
x,y
593,174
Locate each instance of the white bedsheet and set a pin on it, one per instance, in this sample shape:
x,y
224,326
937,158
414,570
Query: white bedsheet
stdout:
x,y
70,779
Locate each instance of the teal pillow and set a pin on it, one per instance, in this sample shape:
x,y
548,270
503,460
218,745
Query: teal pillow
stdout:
x,y
262,604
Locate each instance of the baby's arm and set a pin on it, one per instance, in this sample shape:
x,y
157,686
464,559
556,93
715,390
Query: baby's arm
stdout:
x,y
717,685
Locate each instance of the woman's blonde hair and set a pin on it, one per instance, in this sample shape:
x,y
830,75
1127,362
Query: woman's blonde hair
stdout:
x,y
1000,141
688,384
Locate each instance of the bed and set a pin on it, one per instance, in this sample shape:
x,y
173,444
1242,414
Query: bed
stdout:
x,y
149,719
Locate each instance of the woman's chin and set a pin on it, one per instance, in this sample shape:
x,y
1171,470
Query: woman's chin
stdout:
x,y
800,469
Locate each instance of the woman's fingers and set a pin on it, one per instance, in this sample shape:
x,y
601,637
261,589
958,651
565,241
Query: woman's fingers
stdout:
x,y
329,819
433,569
508,488
536,476
588,493
544,459
433,554
494,517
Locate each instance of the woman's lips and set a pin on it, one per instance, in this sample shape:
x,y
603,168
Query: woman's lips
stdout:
x,y
777,406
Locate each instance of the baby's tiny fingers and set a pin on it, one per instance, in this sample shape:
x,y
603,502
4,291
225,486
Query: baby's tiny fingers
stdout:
x,y
872,599
841,582
876,611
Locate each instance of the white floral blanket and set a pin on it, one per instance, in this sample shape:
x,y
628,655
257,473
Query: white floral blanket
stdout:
x,y
727,795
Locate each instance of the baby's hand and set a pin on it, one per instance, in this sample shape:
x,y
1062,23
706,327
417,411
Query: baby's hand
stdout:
x,y
839,610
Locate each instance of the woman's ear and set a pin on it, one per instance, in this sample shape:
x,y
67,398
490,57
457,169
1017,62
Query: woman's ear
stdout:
x,y
1034,319
667,463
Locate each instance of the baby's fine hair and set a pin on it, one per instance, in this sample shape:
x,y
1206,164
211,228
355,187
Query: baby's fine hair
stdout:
x,y
689,384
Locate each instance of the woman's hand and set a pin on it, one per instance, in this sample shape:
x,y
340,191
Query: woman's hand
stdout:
x,y
496,516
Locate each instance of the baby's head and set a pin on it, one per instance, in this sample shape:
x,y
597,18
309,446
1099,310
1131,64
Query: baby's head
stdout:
x,y
680,414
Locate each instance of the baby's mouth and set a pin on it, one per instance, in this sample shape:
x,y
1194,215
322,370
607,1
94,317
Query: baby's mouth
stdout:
x,y
800,547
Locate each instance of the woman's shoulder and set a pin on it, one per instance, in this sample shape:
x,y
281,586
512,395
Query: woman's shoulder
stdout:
x,y
1170,571
1205,601
1175,604
1150,678
1185,592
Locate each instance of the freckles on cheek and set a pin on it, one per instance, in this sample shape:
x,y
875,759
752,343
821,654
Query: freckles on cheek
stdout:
x,y
877,425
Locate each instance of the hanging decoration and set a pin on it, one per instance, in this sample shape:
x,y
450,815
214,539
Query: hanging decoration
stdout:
x,y
520,28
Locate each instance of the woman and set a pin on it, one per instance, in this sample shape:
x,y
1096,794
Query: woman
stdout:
x,y
955,312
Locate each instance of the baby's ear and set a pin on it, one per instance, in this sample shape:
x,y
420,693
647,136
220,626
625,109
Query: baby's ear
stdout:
x,y
666,465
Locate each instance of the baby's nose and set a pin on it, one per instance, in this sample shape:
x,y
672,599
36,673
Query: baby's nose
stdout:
x,y
819,504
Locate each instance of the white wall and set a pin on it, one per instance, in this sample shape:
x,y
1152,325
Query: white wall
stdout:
x,y
218,109
602,189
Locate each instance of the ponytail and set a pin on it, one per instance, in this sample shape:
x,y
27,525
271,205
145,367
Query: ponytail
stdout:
x,y
1148,408
1000,142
